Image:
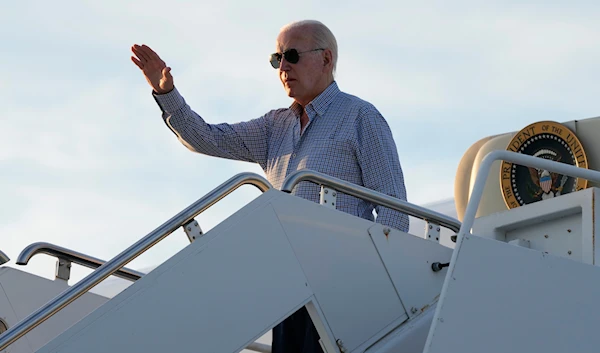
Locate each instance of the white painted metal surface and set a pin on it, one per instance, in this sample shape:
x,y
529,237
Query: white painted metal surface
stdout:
x,y
502,298
521,159
212,296
328,197
420,227
432,231
242,277
563,226
408,261
193,230
116,263
344,270
21,293
409,337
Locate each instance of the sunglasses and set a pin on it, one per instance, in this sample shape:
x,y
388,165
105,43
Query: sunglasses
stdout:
x,y
291,55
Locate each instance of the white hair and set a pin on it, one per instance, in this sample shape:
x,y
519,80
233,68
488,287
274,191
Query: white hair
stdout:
x,y
320,34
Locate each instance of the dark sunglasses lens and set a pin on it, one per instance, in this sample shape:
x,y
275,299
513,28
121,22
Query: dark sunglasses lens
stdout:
x,y
275,60
291,56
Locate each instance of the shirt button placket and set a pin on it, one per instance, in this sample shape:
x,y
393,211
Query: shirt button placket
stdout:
x,y
292,164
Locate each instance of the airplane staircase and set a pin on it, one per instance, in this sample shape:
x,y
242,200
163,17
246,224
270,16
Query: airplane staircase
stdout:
x,y
367,287
359,280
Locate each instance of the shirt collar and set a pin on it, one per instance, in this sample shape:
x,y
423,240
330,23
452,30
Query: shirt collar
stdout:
x,y
321,102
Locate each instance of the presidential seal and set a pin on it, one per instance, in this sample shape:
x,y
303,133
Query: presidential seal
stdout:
x,y
522,185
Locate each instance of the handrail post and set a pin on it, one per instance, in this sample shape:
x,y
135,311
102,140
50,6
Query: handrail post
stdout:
x,y
192,230
432,231
63,269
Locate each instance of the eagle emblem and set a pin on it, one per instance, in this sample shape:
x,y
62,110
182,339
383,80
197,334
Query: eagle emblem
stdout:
x,y
545,183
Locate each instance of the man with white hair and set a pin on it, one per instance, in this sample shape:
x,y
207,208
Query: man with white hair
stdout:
x,y
324,129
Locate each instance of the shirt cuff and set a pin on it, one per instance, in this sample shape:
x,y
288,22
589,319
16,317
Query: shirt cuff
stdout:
x,y
169,102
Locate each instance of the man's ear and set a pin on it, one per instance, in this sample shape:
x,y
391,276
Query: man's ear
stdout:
x,y
327,57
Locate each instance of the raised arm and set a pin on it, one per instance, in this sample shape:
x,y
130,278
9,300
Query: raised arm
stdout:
x,y
246,141
378,159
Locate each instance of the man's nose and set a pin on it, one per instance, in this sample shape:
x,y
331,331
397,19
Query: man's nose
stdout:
x,y
284,65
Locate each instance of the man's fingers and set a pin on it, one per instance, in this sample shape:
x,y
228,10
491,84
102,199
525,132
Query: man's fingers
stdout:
x,y
139,58
148,53
140,53
137,62
151,53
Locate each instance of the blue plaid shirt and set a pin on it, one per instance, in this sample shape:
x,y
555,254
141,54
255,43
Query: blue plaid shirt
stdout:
x,y
345,137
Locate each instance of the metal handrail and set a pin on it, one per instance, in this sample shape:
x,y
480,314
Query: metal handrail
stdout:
x,y
517,158
72,256
371,196
78,289
3,258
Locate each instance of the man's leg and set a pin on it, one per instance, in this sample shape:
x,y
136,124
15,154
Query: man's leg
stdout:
x,y
296,334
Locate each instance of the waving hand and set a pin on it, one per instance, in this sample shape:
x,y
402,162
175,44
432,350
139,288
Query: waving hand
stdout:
x,y
157,73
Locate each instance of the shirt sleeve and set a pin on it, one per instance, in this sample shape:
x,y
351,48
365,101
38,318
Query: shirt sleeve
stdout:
x,y
244,141
378,159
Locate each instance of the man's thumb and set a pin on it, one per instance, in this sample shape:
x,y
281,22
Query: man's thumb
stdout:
x,y
167,73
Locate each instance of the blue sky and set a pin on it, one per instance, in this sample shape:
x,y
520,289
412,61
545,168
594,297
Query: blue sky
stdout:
x,y
87,163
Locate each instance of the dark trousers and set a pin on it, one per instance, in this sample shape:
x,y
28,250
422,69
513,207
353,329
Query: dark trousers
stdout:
x,y
296,334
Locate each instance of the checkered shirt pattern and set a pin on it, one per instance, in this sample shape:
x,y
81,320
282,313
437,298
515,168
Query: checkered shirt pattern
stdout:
x,y
346,137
